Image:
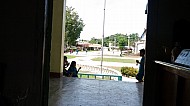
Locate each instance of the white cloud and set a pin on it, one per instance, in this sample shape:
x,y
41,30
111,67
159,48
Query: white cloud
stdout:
x,y
121,16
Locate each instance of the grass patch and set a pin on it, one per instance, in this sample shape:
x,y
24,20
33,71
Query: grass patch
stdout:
x,y
115,60
70,56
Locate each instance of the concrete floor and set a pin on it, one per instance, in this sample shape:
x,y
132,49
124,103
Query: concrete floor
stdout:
x,y
68,91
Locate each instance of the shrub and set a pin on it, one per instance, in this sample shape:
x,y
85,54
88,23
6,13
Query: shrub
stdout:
x,y
129,71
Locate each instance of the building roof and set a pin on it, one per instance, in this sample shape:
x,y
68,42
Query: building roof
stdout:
x,y
94,45
143,36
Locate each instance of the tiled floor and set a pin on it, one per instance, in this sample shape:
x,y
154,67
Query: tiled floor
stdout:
x,y
89,92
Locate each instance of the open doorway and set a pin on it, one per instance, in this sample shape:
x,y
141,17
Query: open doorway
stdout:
x,y
111,35
88,52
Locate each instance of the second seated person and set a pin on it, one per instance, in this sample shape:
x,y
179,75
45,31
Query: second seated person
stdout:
x,y
73,72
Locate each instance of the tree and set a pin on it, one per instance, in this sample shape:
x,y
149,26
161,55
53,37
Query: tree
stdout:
x,y
74,25
133,38
122,44
95,41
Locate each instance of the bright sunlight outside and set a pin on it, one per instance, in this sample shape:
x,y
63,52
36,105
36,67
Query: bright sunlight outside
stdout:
x,y
125,16
120,25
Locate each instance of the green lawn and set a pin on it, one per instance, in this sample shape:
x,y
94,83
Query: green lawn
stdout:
x,y
70,56
115,60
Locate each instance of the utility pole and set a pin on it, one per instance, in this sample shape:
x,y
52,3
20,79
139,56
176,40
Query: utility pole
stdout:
x,y
103,35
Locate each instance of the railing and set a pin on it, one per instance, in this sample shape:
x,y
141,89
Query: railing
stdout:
x,y
102,76
97,70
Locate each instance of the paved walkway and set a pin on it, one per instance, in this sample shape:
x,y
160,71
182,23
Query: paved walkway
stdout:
x,y
85,59
68,91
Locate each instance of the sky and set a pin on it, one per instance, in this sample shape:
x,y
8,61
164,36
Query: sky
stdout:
x,y
121,16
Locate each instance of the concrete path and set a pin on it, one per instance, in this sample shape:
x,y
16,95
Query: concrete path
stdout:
x,y
67,91
85,59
